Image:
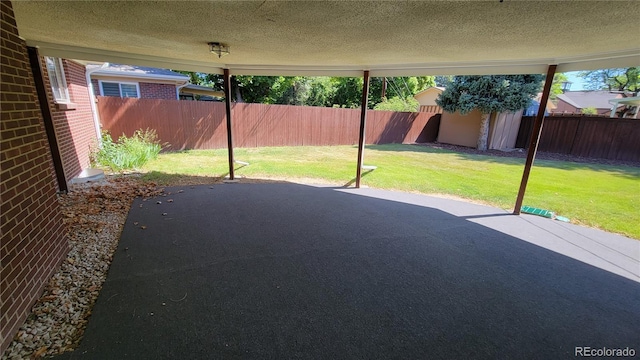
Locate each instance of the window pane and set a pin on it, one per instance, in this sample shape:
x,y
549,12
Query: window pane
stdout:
x,y
56,79
110,89
129,90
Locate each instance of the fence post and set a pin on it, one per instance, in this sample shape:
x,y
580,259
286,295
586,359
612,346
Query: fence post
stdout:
x,y
535,137
363,122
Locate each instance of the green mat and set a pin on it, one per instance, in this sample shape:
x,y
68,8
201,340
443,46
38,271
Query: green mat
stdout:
x,y
536,211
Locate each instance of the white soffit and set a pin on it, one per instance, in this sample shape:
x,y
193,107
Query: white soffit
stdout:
x,y
339,38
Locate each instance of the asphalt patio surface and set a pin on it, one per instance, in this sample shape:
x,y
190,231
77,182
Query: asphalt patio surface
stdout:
x,y
279,271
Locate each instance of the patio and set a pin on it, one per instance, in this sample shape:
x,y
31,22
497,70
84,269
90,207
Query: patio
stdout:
x,y
281,270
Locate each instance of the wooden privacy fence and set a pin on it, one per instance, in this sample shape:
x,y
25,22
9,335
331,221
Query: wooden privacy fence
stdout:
x,y
586,136
202,124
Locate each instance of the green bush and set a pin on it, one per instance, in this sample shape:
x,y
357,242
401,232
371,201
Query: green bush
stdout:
x,y
398,104
128,152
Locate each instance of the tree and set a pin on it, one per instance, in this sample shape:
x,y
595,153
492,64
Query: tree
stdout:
x,y
617,79
400,87
490,94
443,80
557,85
312,91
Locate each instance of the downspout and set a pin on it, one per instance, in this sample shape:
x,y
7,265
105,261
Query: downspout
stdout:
x,y
179,87
92,101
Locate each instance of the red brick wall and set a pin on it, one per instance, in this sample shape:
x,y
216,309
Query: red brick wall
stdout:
x,y
157,91
147,90
33,235
96,87
75,129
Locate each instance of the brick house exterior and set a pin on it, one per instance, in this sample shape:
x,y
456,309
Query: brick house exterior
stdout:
x,y
574,102
150,83
33,234
75,127
147,90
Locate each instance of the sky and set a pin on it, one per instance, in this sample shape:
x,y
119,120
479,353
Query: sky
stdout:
x,y
577,82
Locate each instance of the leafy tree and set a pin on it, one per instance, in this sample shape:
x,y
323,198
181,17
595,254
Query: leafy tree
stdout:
x,y
312,91
320,91
490,94
443,80
590,111
617,79
398,104
401,87
348,91
556,86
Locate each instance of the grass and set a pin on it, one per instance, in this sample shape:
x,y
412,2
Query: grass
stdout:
x,y
601,196
127,152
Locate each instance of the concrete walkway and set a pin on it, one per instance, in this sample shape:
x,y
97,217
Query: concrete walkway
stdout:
x,y
283,271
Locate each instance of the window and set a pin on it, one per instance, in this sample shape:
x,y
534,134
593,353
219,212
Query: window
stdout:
x,y
57,80
119,89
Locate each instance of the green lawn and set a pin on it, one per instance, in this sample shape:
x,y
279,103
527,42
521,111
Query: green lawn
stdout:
x,y
607,197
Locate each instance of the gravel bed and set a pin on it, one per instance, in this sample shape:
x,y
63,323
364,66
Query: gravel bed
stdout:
x,y
95,214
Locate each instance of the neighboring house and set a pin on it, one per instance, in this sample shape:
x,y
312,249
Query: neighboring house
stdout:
x,y
72,104
532,110
136,81
574,102
146,83
201,93
427,99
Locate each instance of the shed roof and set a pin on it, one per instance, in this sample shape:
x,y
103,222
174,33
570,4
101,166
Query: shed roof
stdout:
x,y
585,99
389,38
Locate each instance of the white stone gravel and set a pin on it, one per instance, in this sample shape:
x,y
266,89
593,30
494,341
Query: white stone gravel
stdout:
x,y
95,214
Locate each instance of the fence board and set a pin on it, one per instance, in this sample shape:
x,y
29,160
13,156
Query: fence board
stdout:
x,y
586,136
202,124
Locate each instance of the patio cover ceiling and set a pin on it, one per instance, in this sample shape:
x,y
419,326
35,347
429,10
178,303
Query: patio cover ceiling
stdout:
x,y
340,38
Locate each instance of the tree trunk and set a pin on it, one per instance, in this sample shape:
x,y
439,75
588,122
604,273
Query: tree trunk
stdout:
x,y
238,95
483,137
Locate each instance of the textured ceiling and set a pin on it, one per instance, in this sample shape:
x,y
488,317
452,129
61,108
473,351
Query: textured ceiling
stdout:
x,y
339,37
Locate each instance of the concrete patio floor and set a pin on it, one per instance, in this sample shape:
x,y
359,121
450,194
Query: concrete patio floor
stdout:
x,y
280,270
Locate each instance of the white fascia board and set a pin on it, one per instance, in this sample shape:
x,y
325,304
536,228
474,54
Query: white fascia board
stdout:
x,y
132,75
624,58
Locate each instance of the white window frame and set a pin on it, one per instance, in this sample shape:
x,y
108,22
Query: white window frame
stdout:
x,y
59,74
120,87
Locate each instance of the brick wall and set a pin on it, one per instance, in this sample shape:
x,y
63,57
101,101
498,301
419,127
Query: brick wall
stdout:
x,y
75,129
157,91
96,87
33,235
147,90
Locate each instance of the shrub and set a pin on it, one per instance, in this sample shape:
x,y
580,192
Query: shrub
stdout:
x,y
128,152
398,104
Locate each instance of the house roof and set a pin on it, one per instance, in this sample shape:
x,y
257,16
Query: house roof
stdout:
x,y
339,38
439,89
201,90
134,71
585,99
